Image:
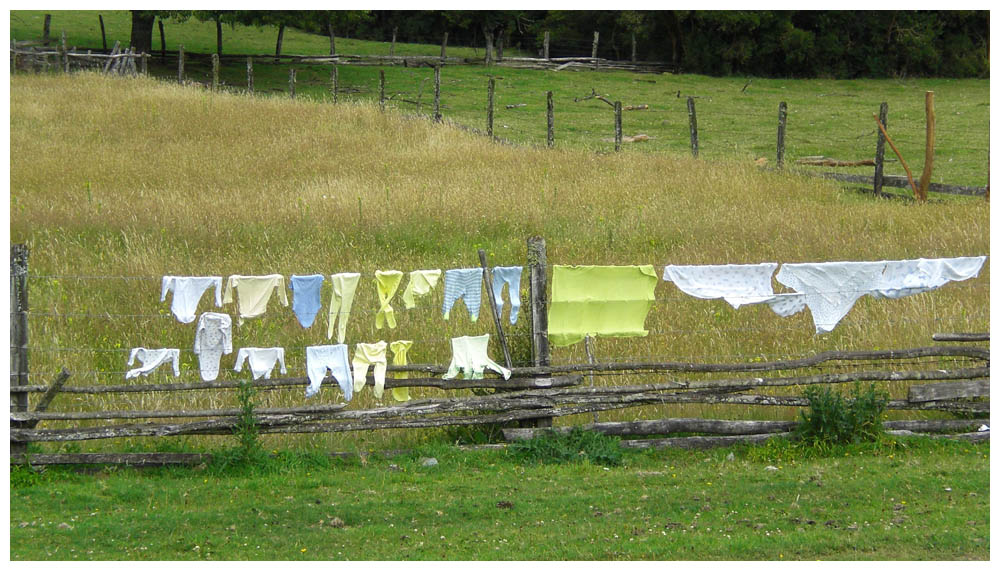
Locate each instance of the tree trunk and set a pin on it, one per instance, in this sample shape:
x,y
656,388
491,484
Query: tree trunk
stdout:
x,y
142,30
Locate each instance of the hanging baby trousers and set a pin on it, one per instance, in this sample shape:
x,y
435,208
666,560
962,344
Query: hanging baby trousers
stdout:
x,y
344,286
466,283
510,275
212,339
366,354
470,358
386,283
261,360
399,349
187,294
254,293
421,283
332,358
151,359
305,297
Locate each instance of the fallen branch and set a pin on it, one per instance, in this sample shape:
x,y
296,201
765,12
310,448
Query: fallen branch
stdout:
x,y
909,175
825,162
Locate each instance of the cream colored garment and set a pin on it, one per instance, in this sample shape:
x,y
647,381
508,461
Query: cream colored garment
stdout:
x,y
470,358
421,283
399,349
366,354
344,286
254,293
387,283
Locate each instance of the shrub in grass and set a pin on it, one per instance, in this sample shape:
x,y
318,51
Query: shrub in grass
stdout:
x,y
831,419
578,445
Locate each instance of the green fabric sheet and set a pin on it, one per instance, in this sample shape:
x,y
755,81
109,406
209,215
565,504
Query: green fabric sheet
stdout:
x,y
599,300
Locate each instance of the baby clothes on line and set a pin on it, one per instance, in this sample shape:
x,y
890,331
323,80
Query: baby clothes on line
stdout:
x,y
386,282
305,297
261,360
333,358
151,359
469,356
399,349
908,277
254,293
213,338
187,294
599,300
510,275
366,354
421,283
738,284
464,283
344,286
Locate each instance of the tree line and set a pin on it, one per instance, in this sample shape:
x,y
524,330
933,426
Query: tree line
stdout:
x,y
793,43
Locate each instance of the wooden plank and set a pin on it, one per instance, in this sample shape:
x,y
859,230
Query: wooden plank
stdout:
x,y
901,182
666,426
700,442
131,459
949,391
961,337
883,117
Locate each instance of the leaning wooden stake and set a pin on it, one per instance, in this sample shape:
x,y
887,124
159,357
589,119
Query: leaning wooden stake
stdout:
x,y
437,89
551,119
925,177
381,90
488,279
693,120
892,145
491,87
883,117
618,126
49,395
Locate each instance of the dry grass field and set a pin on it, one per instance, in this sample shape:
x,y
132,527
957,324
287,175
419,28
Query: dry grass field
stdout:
x,y
114,183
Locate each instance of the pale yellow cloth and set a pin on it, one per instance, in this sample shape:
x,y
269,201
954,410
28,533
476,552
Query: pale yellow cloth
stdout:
x,y
599,300
254,293
366,354
344,286
399,349
387,283
421,283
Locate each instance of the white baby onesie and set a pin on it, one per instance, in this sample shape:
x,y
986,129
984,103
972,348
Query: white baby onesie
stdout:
x,y
254,293
320,359
262,361
212,339
907,277
470,358
187,294
151,359
739,284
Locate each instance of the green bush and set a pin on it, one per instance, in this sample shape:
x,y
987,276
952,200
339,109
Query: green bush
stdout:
x,y
578,445
832,419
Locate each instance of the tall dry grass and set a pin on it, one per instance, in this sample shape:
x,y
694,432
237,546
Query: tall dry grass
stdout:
x,y
138,178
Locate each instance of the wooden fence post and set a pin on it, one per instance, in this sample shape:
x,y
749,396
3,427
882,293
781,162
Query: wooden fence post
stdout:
x,y
618,126
145,63
782,115
180,63
444,45
215,72
381,89
437,93
551,119
883,117
545,45
490,87
46,26
333,38
392,46
249,74
593,51
65,52
633,47
277,45
537,271
925,177
18,331
163,40
334,80
104,37
291,82
693,120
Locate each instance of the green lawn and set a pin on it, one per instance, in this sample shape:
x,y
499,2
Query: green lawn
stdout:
x,y
832,118
929,500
